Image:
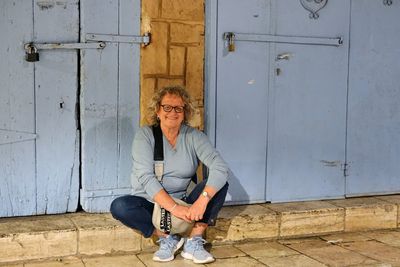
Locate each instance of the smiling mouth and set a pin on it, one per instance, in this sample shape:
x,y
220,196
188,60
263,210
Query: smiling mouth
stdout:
x,y
172,118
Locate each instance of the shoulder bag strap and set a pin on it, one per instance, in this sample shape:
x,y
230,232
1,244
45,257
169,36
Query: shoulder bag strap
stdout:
x,y
158,152
165,216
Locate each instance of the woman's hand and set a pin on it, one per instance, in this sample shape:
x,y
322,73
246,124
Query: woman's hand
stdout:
x,y
181,212
196,211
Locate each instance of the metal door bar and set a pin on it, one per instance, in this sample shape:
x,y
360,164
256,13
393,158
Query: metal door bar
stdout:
x,y
98,42
336,41
145,39
98,45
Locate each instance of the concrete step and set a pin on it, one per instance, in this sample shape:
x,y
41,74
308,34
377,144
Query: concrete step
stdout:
x,y
40,237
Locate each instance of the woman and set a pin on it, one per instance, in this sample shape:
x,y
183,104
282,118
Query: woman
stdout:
x,y
184,146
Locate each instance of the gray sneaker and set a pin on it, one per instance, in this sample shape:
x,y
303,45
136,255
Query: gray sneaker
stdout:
x,y
194,250
168,246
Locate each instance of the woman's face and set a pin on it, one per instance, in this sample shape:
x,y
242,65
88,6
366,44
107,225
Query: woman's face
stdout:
x,y
169,117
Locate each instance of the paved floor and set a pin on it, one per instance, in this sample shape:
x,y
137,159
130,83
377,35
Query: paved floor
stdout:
x,y
372,248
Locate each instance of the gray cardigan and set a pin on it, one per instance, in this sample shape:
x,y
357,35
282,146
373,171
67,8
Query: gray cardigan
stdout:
x,y
180,164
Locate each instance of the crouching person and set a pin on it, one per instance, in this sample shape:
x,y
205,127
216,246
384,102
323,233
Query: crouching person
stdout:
x,y
183,148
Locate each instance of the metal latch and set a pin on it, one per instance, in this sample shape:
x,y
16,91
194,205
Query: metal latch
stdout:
x,y
96,41
32,50
46,46
145,39
232,37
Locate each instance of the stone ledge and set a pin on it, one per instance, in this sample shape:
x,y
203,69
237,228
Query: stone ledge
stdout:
x,y
237,223
309,218
367,213
37,237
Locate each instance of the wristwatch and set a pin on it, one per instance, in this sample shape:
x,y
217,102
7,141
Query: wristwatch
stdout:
x,y
205,194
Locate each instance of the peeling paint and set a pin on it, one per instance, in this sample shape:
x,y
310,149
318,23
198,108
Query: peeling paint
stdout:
x,y
328,163
44,5
101,111
62,3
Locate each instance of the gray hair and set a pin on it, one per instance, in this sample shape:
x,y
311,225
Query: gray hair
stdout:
x,y
155,103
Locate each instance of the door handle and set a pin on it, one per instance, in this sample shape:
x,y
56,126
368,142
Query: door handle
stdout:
x,y
283,56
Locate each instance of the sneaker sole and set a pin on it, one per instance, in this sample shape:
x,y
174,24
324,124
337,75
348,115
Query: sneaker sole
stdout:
x,y
178,246
189,256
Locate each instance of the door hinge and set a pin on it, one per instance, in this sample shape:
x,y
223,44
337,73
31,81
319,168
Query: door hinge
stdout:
x,y
9,137
345,168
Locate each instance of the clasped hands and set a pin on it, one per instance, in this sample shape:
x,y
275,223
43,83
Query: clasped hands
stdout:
x,y
192,213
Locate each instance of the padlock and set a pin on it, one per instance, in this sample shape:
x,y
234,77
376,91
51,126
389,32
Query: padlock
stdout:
x,y
31,54
231,41
230,38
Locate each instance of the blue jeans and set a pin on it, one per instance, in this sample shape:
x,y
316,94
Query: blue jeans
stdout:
x,y
136,212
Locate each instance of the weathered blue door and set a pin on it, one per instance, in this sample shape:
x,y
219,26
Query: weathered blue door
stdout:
x,y
373,143
109,100
242,89
307,103
39,141
280,98
40,119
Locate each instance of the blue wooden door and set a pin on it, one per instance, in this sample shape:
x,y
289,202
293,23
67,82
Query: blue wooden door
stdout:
x,y
109,100
39,141
307,120
373,143
241,98
281,98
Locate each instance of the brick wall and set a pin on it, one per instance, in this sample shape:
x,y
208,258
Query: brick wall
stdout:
x,y
176,53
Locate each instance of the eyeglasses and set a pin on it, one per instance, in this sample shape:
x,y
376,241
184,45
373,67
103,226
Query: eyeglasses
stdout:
x,y
168,108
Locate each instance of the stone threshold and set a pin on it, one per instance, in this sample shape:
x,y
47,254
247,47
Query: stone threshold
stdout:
x,y
49,236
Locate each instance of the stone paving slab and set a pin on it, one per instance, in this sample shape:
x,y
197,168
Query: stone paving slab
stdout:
x,y
147,259
237,262
222,252
298,240
345,238
391,238
12,264
292,261
113,261
331,255
68,261
376,250
266,249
